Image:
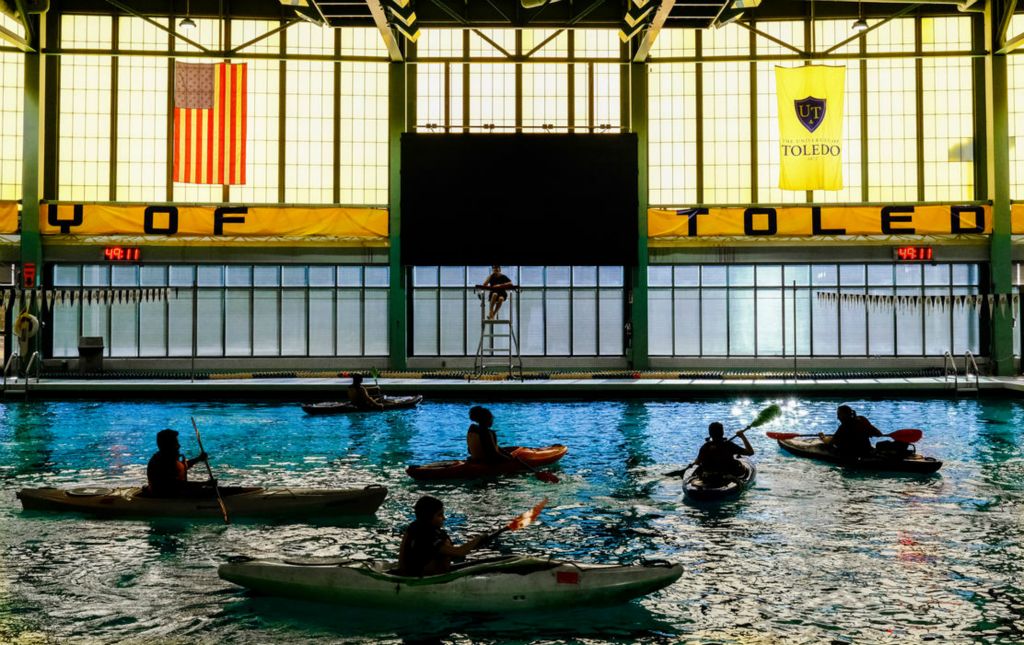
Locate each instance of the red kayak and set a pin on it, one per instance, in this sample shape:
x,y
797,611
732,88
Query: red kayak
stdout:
x,y
461,469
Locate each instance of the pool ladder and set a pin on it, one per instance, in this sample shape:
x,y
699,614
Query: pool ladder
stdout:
x,y
13,367
949,368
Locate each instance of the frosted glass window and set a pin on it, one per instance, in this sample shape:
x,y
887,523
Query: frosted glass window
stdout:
x,y
293,323
237,305
11,124
321,322
584,322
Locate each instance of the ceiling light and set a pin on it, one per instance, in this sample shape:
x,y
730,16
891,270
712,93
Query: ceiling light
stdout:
x,y
187,24
860,25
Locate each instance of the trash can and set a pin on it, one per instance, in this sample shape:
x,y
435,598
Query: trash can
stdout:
x,y
90,354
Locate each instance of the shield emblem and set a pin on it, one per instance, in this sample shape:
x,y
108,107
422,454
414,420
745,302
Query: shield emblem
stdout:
x,y
810,112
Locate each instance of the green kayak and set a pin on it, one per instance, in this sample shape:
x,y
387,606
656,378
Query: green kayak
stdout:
x,y
493,585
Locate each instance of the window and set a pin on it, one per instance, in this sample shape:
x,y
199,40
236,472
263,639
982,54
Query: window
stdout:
x,y
240,310
812,310
558,311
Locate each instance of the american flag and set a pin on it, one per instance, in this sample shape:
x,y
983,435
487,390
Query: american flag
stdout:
x,y
209,123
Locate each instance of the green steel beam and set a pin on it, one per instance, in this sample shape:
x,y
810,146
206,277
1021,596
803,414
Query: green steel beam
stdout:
x,y
638,287
34,103
997,161
397,311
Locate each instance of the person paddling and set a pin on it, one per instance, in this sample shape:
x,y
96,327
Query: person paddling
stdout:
x,y
360,398
167,470
481,440
718,456
852,440
426,548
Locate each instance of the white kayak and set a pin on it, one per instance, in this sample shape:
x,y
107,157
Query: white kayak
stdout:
x,y
492,585
250,502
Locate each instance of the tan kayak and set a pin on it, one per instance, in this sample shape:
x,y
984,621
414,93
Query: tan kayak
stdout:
x,y
249,502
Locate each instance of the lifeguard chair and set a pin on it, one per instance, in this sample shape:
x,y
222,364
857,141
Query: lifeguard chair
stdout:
x,y
498,336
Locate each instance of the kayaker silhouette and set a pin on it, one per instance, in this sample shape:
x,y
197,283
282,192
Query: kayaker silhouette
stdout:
x,y
481,440
426,548
718,456
852,439
360,398
167,470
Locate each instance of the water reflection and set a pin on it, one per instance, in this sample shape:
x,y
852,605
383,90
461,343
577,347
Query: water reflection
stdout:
x,y
810,553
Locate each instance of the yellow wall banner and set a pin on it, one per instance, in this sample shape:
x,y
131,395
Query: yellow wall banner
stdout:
x,y
825,221
8,218
810,126
355,224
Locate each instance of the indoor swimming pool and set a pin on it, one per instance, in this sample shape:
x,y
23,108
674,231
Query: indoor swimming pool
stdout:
x,y
810,554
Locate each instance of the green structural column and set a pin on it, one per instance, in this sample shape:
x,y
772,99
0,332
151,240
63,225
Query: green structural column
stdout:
x,y
31,169
997,160
397,314
638,126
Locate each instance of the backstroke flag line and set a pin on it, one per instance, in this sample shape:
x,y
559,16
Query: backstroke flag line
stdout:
x,y
210,104
810,126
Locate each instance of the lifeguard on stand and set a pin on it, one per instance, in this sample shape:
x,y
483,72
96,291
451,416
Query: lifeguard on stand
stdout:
x,y
497,286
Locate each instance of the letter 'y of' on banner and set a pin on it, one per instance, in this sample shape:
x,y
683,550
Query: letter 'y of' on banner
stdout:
x,y
810,126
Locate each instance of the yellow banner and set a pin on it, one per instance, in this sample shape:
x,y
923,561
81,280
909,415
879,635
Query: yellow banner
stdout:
x,y
8,218
358,225
823,221
810,126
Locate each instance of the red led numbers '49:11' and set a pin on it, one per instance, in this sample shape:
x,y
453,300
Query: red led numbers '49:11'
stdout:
x,y
122,253
914,254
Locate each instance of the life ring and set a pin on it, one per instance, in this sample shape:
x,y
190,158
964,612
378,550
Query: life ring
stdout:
x,y
26,326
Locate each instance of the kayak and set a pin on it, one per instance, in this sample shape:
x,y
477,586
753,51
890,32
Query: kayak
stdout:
x,y
493,585
339,407
461,469
699,488
251,502
815,448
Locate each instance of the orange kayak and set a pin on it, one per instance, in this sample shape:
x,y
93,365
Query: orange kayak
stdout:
x,y
526,458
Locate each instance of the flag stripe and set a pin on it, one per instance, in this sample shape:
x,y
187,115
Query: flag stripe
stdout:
x,y
210,143
243,122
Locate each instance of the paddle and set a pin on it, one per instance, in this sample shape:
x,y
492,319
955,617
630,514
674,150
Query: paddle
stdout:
x,y
520,522
216,489
906,435
766,415
542,475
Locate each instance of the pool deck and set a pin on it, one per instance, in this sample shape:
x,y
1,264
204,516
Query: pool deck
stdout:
x,y
334,388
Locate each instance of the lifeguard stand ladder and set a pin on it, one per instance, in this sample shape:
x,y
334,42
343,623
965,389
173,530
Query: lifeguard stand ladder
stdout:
x,y
502,330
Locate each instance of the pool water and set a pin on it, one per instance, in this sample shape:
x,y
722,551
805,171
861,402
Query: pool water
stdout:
x,y
810,554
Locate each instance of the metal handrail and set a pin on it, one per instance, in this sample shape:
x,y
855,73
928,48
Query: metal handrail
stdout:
x,y
28,370
968,363
949,364
7,368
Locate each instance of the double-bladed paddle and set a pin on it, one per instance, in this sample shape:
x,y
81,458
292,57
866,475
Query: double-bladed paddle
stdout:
x,y
766,415
906,435
520,522
543,475
209,471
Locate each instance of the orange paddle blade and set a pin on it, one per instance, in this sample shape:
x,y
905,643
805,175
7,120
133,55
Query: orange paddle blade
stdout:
x,y
781,435
528,517
907,435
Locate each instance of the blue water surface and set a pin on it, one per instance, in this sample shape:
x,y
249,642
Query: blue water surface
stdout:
x,y
810,554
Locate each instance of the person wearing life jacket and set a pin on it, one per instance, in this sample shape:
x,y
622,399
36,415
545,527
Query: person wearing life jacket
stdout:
x,y
360,398
718,456
426,548
852,440
481,440
167,471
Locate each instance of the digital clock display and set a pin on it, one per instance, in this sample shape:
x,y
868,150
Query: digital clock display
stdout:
x,y
122,254
914,254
